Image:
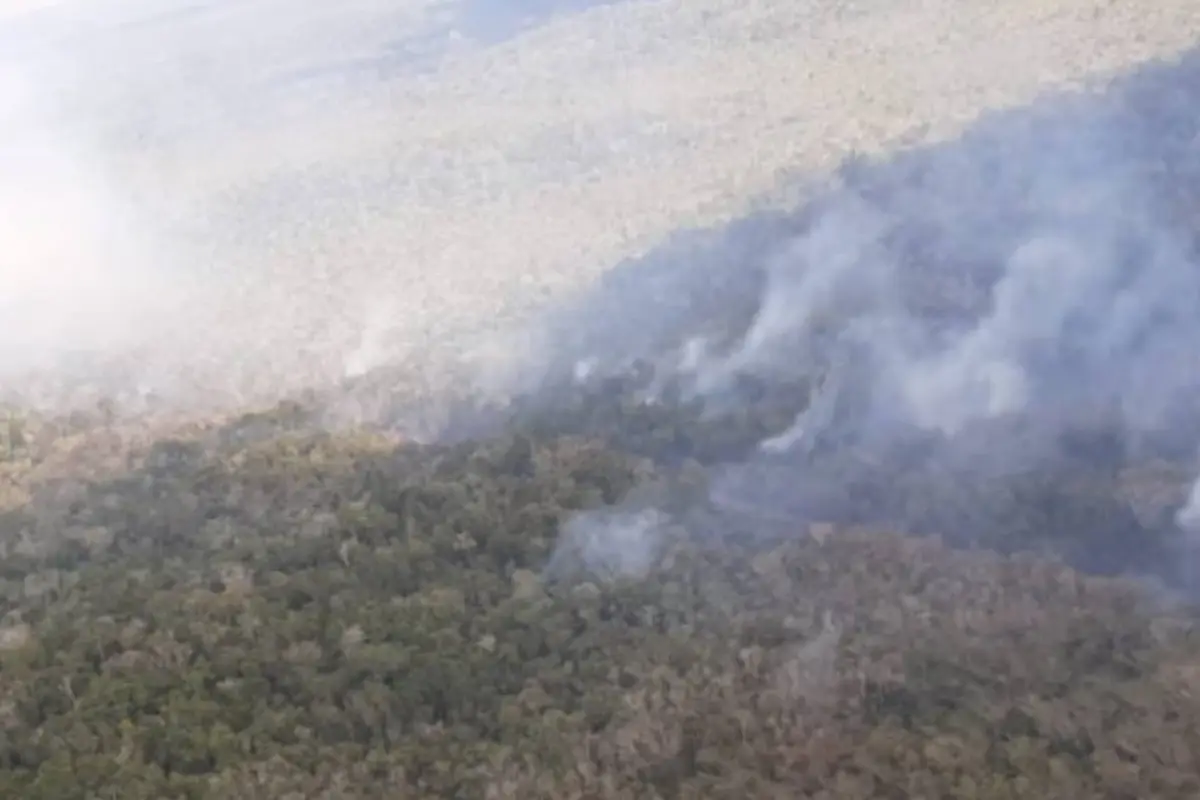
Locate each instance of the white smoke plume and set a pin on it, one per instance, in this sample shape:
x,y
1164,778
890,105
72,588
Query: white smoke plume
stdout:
x,y
78,275
973,304
610,544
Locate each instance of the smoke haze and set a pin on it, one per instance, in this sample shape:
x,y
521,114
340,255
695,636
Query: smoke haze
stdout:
x,y
77,272
1012,314
221,205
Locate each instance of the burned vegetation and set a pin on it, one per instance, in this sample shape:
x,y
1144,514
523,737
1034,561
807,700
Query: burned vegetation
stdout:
x,y
644,576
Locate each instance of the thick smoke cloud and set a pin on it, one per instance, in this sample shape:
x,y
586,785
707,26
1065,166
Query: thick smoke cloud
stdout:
x,y
223,204
79,275
131,268
1020,307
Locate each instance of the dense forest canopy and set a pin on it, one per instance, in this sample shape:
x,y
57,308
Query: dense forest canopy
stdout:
x,y
727,554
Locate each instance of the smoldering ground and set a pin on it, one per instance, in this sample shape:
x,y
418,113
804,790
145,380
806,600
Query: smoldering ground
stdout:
x,y
996,340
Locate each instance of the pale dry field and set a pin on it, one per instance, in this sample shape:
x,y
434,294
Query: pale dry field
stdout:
x,y
302,173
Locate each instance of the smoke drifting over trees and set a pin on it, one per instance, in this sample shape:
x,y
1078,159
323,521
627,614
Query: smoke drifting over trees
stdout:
x,y
1018,302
